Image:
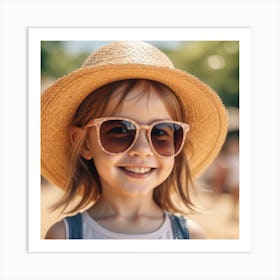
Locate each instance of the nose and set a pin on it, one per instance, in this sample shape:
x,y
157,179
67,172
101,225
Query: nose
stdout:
x,y
142,146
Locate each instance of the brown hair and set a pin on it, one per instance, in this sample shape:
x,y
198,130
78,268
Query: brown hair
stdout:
x,y
170,195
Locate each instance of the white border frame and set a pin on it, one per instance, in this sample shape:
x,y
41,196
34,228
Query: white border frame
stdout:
x,y
243,35
262,16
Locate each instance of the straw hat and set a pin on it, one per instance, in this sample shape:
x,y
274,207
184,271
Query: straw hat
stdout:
x,y
127,60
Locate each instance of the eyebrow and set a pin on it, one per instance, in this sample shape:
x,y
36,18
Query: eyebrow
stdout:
x,y
138,121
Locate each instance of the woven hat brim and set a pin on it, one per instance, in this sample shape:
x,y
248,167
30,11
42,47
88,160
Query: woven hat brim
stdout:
x,y
207,116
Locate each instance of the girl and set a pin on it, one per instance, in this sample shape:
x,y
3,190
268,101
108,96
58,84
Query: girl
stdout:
x,y
126,133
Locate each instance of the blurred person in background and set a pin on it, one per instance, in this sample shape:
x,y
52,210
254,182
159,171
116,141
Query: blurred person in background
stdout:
x,y
225,171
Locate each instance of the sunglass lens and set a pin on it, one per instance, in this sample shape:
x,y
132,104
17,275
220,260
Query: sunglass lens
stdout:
x,y
167,138
117,135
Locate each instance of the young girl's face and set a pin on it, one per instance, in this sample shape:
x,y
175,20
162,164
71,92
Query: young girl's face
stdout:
x,y
139,170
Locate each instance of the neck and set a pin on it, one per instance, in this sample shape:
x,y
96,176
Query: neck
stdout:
x,y
123,206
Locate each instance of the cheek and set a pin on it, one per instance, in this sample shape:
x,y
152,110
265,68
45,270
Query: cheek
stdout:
x,y
99,157
103,162
167,167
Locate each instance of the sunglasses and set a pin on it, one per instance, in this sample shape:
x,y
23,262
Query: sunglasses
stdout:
x,y
117,135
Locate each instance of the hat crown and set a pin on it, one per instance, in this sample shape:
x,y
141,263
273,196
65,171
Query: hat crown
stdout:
x,y
128,52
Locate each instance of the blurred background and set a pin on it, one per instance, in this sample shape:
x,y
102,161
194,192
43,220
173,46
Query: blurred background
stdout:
x,y
214,62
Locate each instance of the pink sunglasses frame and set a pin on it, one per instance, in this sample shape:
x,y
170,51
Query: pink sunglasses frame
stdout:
x,y
99,121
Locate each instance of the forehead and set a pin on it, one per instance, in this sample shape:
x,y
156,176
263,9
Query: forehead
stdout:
x,y
143,101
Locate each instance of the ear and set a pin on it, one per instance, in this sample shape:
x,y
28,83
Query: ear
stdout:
x,y
77,134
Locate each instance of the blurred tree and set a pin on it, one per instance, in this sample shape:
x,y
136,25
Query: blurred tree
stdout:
x,y
56,61
214,62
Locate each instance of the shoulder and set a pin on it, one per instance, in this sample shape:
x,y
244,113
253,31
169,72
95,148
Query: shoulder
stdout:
x,y
195,230
56,231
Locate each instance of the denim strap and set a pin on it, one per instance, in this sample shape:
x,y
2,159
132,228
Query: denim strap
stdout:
x,y
75,226
179,227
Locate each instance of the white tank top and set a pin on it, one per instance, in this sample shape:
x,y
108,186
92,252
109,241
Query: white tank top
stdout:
x,y
92,230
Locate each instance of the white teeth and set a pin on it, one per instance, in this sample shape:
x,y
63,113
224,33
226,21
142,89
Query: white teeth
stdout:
x,y
138,169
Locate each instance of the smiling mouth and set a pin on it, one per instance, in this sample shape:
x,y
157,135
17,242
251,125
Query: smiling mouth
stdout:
x,y
137,170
